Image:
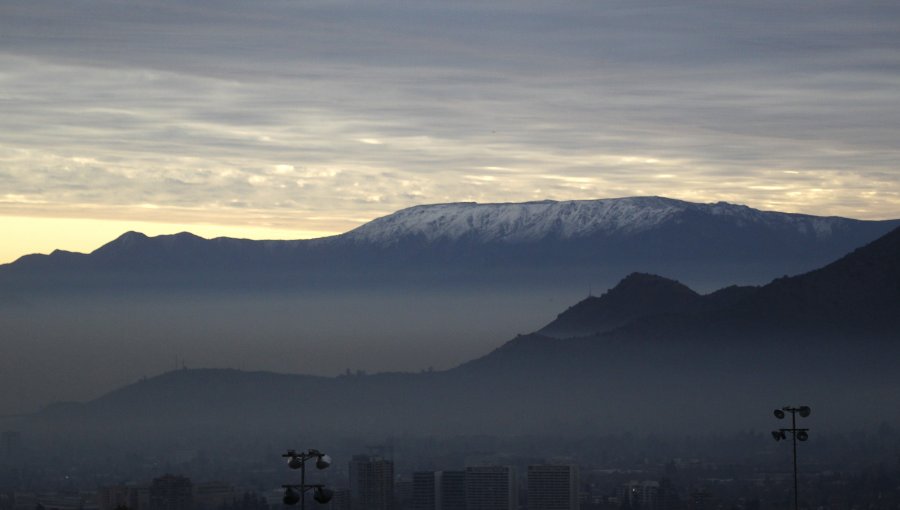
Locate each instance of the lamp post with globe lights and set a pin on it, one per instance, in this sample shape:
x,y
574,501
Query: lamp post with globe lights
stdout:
x,y
296,492
797,434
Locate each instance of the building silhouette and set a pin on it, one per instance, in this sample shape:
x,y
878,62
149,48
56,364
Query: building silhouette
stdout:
x,y
552,487
491,488
340,500
439,490
371,483
424,491
171,492
451,490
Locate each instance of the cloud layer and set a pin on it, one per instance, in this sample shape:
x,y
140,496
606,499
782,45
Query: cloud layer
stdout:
x,y
319,116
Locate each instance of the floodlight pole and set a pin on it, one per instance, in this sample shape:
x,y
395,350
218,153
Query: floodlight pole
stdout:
x,y
796,433
298,460
794,437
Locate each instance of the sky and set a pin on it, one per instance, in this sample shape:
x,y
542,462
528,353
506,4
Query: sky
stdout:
x,y
297,119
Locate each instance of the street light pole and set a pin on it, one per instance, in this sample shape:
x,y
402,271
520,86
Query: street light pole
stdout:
x,y
794,437
298,461
800,434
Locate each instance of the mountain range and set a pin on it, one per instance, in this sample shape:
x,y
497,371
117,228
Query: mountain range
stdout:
x,y
649,355
529,244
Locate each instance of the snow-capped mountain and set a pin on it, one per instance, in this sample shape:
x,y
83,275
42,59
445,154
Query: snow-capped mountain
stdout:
x,y
568,243
450,260
572,219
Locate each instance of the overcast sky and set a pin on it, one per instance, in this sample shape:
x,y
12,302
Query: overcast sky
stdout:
x,y
302,118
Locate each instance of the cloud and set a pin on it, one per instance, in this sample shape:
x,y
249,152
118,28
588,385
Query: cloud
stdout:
x,y
341,110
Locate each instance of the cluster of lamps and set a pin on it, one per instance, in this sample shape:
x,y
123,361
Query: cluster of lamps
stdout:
x,y
294,493
797,434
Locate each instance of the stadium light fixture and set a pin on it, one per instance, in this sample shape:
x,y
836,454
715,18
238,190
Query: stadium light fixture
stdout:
x,y
797,434
294,493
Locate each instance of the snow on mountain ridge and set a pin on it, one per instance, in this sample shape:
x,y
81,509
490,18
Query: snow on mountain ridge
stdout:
x,y
532,221
820,226
519,222
523,222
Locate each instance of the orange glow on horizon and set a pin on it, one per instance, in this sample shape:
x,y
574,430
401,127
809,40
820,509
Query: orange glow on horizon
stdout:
x,y
23,235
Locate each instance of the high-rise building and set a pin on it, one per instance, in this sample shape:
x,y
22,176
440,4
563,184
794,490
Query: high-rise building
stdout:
x,y
450,489
424,490
552,487
371,483
439,490
403,493
340,500
170,492
491,488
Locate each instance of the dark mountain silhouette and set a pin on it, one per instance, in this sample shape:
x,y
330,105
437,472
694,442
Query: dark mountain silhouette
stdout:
x,y
534,243
861,290
638,295
685,363
855,297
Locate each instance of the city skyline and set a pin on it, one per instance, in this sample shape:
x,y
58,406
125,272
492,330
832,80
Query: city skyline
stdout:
x,y
302,120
